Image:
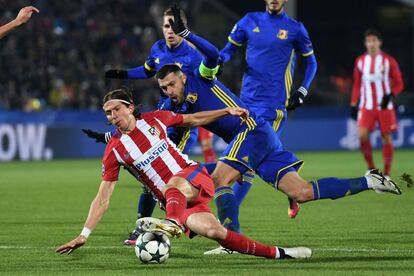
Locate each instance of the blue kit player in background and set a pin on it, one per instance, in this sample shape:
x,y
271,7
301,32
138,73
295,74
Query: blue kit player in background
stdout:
x,y
171,49
252,144
273,39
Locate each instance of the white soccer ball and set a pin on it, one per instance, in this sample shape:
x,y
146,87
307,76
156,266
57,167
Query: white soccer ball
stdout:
x,y
152,248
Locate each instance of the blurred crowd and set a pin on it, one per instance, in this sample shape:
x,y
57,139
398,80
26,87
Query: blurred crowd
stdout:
x,y
58,59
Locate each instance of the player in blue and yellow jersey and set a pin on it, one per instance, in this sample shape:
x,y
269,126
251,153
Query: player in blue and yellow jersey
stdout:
x,y
273,39
252,144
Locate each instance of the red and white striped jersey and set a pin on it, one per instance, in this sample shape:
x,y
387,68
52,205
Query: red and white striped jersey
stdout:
x,y
374,77
147,152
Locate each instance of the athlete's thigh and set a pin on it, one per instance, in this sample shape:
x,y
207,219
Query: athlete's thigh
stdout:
x,y
367,119
387,121
276,165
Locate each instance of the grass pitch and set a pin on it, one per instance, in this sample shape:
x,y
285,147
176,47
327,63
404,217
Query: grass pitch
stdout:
x,y
44,204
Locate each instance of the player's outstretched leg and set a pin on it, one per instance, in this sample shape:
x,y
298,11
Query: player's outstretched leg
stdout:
x,y
300,190
205,224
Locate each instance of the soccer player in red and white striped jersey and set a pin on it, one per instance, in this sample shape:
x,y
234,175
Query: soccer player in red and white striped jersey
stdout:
x,y
182,186
377,79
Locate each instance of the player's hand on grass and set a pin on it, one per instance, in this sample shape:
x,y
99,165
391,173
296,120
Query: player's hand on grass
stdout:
x,y
297,99
72,245
354,112
98,136
24,15
178,25
386,100
116,74
240,112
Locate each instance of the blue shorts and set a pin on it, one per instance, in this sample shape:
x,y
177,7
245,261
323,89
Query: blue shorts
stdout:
x,y
275,117
260,150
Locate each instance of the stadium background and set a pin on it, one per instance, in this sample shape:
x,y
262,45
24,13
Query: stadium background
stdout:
x,y
52,79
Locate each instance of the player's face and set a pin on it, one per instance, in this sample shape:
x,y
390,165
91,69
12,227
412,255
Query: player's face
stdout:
x,y
275,6
173,86
373,44
118,114
170,37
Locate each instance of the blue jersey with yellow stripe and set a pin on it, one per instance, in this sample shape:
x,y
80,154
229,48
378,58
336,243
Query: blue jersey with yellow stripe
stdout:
x,y
202,94
271,44
184,55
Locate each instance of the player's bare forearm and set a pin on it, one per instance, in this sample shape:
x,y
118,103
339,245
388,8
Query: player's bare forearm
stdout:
x,y
100,204
5,29
207,117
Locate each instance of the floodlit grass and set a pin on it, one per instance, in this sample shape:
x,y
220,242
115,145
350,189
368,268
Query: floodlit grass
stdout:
x,y
44,204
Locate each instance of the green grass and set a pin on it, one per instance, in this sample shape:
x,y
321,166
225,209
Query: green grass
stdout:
x,y
44,204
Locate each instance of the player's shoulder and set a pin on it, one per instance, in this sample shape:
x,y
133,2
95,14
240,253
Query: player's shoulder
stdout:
x,y
250,17
293,22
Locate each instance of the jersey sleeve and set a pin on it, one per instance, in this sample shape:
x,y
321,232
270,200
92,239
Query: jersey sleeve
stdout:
x,y
169,118
356,88
110,165
302,43
238,34
150,62
397,84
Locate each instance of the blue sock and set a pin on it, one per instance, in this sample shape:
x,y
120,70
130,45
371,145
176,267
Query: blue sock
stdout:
x,y
241,190
210,167
146,205
334,188
227,208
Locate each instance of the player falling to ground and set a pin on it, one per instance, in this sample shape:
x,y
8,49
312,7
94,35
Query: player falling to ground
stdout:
x,y
22,17
254,145
181,185
377,80
272,38
171,49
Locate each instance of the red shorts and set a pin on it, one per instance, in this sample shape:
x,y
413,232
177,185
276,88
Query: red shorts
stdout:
x,y
386,119
204,134
199,178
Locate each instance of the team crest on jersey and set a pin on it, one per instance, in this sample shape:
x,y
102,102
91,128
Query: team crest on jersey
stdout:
x,y
282,34
154,131
157,61
191,97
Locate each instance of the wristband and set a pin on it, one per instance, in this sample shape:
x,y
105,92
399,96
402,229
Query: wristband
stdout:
x,y
86,232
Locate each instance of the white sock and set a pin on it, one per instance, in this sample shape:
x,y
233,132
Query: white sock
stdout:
x,y
370,182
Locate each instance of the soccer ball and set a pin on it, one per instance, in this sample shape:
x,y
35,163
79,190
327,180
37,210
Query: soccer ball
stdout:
x,y
152,248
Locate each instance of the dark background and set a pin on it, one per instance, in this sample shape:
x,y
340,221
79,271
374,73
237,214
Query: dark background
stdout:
x,y
58,59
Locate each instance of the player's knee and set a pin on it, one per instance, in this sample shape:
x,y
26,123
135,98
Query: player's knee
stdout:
x,y
219,180
216,233
303,194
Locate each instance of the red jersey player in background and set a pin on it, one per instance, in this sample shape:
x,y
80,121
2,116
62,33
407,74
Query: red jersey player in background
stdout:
x,y
377,80
182,186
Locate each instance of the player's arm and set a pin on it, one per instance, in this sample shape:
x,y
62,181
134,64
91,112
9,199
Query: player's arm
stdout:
x,y
304,45
96,211
235,39
207,117
209,66
140,72
22,17
397,84
356,89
